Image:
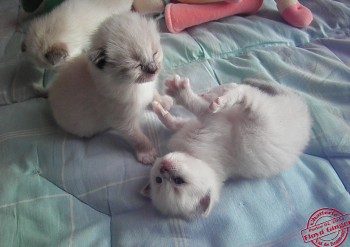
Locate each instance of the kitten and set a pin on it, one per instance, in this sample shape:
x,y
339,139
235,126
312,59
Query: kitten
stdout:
x,y
113,83
63,33
247,130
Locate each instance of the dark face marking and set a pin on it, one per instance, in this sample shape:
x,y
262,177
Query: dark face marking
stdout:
x,y
56,54
98,57
150,68
101,63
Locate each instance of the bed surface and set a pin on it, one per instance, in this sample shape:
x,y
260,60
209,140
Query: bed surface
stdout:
x,y
60,190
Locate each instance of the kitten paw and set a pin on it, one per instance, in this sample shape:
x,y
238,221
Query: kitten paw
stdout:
x,y
159,110
176,86
166,118
146,157
216,105
227,100
218,91
166,101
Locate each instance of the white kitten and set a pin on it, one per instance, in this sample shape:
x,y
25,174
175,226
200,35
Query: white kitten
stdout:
x,y
109,87
248,130
65,32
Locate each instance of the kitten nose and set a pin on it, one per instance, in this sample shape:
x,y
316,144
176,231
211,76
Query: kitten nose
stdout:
x,y
163,170
165,166
150,68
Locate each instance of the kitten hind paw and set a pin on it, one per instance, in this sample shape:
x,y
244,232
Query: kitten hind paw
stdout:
x,y
226,101
216,105
218,91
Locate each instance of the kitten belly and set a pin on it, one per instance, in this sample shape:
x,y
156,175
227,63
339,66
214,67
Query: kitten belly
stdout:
x,y
199,139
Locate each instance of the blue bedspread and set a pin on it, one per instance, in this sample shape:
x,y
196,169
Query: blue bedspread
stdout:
x,y
60,190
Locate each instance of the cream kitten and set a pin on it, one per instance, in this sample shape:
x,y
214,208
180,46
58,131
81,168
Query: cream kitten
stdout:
x,y
241,130
109,87
65,32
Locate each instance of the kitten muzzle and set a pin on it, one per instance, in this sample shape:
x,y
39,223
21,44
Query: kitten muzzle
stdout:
x,y
56,54
149,72
166,173
150,68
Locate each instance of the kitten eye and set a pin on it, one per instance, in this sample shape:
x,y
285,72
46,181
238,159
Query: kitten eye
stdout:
x,y
98,57
101,63
154,54
178,180
159,180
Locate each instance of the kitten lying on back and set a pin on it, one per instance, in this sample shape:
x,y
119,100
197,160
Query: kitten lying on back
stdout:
x,y
109,87
252,130
65,32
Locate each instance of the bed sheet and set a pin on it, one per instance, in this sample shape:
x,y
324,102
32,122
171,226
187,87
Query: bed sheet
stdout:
x,y
60,190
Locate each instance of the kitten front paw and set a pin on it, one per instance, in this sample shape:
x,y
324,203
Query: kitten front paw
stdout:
x,y
166,102
159,110
146,156
177,87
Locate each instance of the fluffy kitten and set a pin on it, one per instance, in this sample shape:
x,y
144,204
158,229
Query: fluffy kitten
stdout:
x,y
109,87
64,33
241,130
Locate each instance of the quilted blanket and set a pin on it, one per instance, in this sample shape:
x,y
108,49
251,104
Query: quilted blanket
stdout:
x,y
60,190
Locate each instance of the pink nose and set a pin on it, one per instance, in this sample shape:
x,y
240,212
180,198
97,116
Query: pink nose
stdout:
x,y
166,164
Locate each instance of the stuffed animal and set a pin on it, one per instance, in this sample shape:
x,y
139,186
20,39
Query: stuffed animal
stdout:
x,y
188,13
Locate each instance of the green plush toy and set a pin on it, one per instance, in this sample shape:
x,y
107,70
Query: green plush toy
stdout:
x,y
33,5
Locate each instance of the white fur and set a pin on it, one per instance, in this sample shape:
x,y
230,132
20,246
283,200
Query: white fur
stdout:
x,y
241,130
108,87
68,26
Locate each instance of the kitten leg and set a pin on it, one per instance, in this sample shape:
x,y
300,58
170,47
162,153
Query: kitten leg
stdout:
x,y
166,118
144,149
218,91
232,97
166,101
181,91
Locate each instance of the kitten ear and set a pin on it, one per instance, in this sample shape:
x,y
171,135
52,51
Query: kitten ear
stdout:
x,y
204,206
56,54
146,191
98,57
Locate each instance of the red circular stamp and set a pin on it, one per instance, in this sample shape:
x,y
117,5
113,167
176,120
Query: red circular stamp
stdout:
x,y
326,227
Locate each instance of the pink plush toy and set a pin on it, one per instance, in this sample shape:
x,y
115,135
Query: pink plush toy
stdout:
x,y
179,16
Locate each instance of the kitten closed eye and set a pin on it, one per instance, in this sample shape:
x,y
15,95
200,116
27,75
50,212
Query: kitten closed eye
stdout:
x,y
113,97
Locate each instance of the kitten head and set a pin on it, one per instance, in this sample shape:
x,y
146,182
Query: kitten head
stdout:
x,y
127,47
42,43
181,185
